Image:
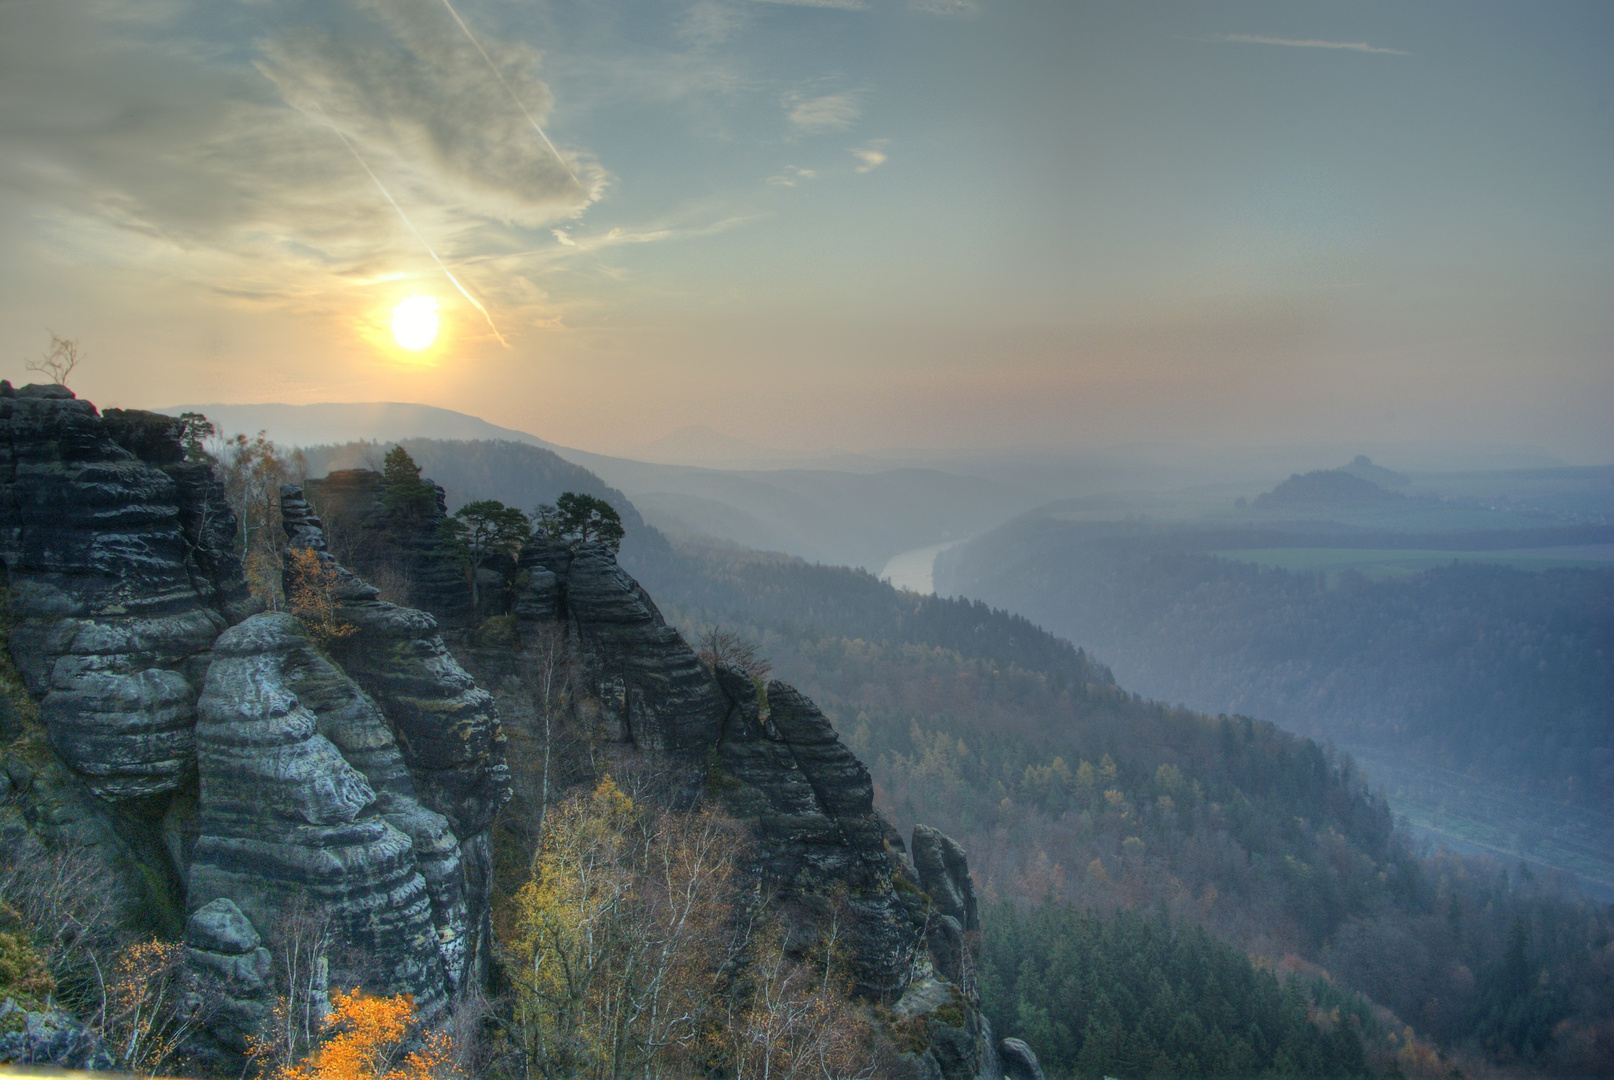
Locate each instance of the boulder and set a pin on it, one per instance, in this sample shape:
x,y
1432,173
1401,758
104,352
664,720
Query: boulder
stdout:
x,y
1019,1060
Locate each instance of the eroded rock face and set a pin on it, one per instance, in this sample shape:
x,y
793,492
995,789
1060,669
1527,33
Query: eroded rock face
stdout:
x,y
121,574
234,969
811,803
646,678
425,735
944,873
285,818
404,541
826,856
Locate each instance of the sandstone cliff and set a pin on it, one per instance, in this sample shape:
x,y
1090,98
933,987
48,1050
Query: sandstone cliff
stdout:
x,y
232,778
767,754
218,768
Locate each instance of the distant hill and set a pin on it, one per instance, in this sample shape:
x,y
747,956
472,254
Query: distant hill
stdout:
x,y
1363,468
1482,669
1325,489
854,518
343,422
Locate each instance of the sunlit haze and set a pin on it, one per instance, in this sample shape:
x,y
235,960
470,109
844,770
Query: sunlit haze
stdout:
x,y
827,224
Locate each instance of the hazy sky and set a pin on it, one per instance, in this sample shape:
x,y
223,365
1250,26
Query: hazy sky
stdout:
x,y
847,223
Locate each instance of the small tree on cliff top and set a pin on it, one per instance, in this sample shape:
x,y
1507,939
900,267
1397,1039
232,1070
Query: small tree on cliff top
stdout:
x,y
581,519
478,531
59,361
403,489
311,596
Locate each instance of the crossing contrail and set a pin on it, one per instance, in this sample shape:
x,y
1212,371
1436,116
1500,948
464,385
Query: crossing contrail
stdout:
x,y
449,274
514,100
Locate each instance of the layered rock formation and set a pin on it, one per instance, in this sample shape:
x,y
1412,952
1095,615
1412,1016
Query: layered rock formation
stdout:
x,y
768,754
118,584
284,816
210,759
773,759
236,778
373,538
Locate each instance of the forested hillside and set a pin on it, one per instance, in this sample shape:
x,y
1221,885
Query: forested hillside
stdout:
x,y
1080,794
1474,667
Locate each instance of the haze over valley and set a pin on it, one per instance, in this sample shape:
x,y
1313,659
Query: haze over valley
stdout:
x,y
768,539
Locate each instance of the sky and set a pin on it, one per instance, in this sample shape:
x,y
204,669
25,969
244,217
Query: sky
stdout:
x,y
829,224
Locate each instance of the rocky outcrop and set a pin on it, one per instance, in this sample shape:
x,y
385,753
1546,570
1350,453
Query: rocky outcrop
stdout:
x,y
826,855
201,758
428,739
1019,1061
120,577
823,844
284,818
371,537
233,969
647,680
944,873
50,1036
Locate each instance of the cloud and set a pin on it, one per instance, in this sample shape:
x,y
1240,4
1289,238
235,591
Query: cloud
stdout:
x,y
400,79
844,5
1304,43
871,155
134,143
790,177
832,112
954,9
711,22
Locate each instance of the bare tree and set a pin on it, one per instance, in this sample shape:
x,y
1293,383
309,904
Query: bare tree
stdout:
x,y
57,363
730,649
67,897
621,940
304,936
549,675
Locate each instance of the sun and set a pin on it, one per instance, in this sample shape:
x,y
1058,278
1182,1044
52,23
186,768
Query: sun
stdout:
x,y
414,322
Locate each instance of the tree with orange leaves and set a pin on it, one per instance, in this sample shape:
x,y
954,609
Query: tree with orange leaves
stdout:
x,y
364,1038
311,596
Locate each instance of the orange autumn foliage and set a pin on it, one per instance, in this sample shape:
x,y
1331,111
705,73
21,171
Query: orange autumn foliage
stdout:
x,y
364,1036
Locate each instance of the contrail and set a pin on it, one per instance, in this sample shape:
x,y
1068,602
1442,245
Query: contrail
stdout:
x,y
514,100
423,241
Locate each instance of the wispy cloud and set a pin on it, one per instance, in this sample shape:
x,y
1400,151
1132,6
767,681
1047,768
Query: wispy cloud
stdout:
x,y
1304,43
871,155
953,9
832,112
711,22
790,177
845,5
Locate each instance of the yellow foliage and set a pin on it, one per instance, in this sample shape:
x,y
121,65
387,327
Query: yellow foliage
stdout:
x,y
618,940
22,969
364,1037
146,1021
311,596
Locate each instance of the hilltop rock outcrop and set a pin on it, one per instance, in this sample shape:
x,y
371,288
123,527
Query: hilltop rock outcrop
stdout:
x,y
207,758
118,584
826,857
233,778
